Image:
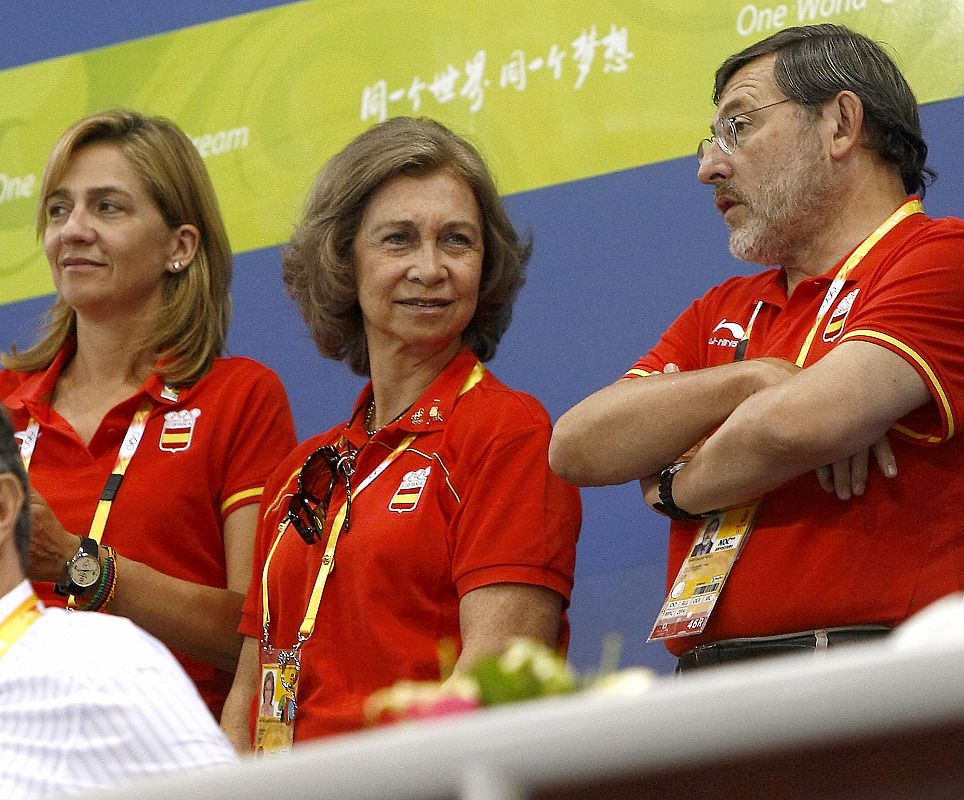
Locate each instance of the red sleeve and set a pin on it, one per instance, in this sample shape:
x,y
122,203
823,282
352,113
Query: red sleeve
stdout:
x,y
273,505
517,522
915,310
264,433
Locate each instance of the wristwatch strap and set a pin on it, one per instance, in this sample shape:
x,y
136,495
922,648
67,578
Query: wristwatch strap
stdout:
x,y
667,505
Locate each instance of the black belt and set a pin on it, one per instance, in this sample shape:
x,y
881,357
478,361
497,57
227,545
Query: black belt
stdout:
x,y
761,646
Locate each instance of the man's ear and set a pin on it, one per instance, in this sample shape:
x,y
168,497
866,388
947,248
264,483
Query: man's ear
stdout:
x,y
12,499
845,113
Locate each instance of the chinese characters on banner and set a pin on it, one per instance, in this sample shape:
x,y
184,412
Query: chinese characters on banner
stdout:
x,y
471,82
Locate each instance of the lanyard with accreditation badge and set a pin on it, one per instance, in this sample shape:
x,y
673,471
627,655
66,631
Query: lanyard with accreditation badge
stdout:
x,y
717,545
280,668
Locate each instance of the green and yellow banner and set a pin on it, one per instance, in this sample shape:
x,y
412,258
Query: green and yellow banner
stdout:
x,y
550,91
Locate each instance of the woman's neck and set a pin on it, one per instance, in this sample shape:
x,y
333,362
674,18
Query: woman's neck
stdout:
x,y
104,371
398,381
108,357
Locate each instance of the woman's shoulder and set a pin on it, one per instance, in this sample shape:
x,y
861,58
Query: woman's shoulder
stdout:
x,y
11,379
495,405
299,454
241,366
312,443
17,386
240,376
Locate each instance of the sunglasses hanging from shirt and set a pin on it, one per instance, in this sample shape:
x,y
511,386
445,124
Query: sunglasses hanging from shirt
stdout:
x,y
274,732
304,508
275,726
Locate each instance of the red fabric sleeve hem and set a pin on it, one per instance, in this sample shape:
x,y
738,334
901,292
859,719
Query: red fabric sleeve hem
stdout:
x,y
945,426
239,499
514,573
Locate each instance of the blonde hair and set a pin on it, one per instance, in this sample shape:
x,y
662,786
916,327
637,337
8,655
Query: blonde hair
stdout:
x,y
196,310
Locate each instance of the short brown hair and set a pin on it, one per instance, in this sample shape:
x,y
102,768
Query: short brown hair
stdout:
x,y
318,266
197,300
816,62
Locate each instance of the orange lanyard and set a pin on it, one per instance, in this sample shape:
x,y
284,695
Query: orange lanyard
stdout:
x,y
328,559
908,209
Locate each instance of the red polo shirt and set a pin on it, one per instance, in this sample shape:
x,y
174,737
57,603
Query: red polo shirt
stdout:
x,y
471,502
813,561
203,455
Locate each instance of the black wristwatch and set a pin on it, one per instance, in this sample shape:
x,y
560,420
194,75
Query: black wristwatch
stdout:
x,y
667,505
82,569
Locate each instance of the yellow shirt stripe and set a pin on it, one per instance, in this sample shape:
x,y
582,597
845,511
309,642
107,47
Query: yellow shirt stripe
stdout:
x,y
239,496
914,356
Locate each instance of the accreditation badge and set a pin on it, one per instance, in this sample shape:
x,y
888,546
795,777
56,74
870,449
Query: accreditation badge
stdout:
x,y
278,703
700,580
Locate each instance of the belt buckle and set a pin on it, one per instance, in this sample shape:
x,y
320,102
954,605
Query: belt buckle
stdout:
x,y
709,653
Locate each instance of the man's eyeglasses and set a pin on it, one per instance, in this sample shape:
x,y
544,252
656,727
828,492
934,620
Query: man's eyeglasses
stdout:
x,y
726,131
307,511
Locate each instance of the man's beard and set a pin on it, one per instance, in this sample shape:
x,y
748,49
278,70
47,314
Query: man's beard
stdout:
x,y
785,212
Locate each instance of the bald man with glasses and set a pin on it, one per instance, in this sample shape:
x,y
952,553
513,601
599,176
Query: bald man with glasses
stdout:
x,y
811,408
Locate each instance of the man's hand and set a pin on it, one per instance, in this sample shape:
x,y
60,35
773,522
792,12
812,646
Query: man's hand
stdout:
x,y
796,426
50,544
848,477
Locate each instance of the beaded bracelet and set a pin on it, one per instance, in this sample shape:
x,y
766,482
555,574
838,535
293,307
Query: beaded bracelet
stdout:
x,y
108,583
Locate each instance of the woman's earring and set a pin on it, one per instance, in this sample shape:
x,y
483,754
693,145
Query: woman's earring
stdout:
x,y
176,266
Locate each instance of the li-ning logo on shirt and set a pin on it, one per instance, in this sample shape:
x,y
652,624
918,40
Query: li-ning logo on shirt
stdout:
x,y
835,325
735,330
409,491
178,430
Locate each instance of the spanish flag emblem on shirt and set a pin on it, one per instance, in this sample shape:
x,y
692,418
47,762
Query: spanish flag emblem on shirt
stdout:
x,y
409,491
178,429
838,319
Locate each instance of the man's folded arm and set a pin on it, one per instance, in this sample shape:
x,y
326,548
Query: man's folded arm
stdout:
x,y
635,427
841,405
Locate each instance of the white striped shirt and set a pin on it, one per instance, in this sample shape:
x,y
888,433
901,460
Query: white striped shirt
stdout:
x,y
89,701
